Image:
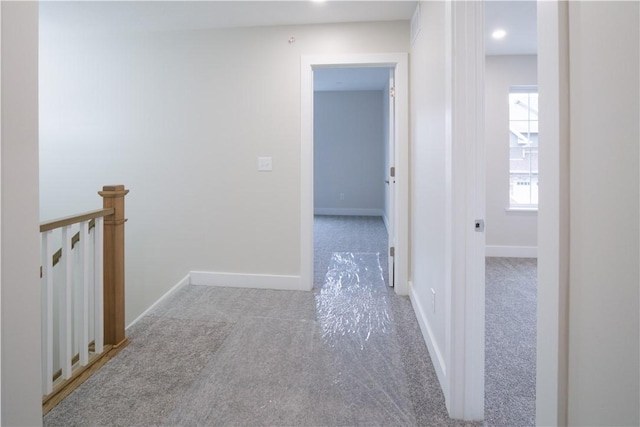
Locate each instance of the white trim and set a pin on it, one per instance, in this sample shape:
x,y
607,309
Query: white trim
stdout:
x,y
438,361
511,251
255,281
348,212
1,215
400,62
523,89
553,216
385,219
465,336
185,281
306,176
521,211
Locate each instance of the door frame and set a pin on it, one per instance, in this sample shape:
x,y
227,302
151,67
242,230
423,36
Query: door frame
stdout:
x,y
465,298
552,375
390,188
400,62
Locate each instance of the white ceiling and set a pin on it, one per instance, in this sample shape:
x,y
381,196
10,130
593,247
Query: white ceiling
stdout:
x,y
185,15
517,17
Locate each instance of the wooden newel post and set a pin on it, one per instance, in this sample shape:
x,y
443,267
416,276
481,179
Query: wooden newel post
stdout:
x,y
113,197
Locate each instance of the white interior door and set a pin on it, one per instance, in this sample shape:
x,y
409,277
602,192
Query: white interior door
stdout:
x,y
391,179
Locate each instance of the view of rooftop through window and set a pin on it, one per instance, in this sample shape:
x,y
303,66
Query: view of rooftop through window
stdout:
x,y
523,147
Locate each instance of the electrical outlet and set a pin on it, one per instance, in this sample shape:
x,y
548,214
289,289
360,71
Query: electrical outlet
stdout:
x,y
341,196
433,300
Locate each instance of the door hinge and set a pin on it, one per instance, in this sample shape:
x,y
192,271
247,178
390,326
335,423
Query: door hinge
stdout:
x,y
392,251
392,172
392,92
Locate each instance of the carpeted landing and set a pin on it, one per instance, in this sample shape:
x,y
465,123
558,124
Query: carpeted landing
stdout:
x,y
348,353
510,341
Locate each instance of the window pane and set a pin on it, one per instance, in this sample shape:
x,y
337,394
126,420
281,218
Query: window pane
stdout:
x,y
523,148
523,160
519,106
516,154
523,190
533,105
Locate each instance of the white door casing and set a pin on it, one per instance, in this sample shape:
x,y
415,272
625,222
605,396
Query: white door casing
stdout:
x,y
399,62
0,214
553,215
391,179
466,300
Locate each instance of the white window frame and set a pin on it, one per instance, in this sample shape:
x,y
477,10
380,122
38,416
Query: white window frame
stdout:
x,y
519,207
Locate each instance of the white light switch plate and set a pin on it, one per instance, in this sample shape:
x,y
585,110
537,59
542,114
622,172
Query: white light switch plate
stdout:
x,y
265,164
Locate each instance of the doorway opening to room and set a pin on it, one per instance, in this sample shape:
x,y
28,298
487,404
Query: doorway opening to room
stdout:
x,y
353,186
511,150
398,214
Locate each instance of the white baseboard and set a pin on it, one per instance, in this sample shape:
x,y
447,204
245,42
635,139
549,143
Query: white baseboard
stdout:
x,y
185,281
437,357
512,251
386,222
348,212
256,281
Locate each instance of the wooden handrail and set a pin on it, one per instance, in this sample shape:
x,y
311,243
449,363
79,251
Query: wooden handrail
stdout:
x,y
110,335
55,259
70,220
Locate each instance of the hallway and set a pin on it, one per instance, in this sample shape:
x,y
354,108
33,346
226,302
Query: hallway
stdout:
x,y
348,353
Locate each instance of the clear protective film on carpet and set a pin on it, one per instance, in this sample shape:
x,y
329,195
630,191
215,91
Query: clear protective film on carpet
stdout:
x,y
352,300
343,369
355,317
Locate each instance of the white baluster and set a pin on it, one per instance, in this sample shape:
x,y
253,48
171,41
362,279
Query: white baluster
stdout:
x,y
98,294
84,294
47,313
92,245
66,305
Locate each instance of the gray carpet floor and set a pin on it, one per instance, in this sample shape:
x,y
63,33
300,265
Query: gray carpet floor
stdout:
x,y
348,353
510,341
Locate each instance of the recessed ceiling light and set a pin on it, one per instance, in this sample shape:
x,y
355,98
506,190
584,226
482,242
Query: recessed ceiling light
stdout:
x,y
499,34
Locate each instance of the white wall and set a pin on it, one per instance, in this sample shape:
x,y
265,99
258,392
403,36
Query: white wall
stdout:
x,y
447,195
508,233
180,118
21,382
349,153
430,178
604,210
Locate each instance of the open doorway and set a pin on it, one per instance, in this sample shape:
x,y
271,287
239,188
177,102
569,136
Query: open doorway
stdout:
x,y
511,150
353,152
399,185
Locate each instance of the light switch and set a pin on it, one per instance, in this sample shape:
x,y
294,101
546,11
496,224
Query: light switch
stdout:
x,y
265,164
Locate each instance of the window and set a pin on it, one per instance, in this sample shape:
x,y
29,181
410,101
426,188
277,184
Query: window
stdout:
x,y
523,147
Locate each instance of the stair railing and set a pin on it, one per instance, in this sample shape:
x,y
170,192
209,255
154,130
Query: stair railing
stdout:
x,y
82,295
